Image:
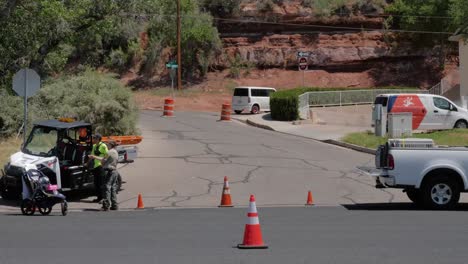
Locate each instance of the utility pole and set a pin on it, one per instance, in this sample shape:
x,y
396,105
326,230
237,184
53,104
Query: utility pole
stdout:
x,y
179,55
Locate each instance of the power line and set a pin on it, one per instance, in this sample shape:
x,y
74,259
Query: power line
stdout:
x,y
246,21
416,16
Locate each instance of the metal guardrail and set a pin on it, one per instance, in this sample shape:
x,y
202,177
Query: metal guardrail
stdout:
x,y
344,97
436,89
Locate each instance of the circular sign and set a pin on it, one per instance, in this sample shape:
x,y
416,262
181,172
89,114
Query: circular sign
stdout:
x,y
303,63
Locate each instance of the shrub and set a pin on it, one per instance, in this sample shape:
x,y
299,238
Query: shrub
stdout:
x,y
284,104
11,114
99,99
118,60
265,5
222,8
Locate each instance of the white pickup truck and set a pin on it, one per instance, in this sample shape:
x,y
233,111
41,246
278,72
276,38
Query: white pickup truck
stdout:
x,y
432,176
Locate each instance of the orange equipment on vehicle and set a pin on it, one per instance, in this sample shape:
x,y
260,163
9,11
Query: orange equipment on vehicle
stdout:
x,y
124,140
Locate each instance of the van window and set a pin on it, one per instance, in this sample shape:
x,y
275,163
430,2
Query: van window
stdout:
x,y
260,93
381,100
441,103
241,92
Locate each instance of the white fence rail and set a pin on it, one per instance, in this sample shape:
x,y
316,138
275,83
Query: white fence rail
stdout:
x,y
345,97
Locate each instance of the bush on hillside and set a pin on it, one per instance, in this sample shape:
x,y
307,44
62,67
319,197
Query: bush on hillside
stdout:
x,y
99,99
11,114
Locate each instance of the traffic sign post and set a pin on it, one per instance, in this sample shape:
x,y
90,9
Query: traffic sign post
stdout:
x,y
303,66
172,65
26,83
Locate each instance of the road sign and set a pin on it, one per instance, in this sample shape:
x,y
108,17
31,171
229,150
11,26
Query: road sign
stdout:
x,y
303,64
303,54
172,65
26,83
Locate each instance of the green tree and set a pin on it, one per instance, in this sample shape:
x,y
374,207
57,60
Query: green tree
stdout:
x,y
46,34
459,12
200,39
422,15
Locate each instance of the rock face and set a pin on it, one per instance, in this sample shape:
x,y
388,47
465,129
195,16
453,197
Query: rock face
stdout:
x,y
335,43
280,51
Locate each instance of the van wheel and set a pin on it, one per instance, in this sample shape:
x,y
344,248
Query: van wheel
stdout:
x,y
461,124
255,109
238,112
440,193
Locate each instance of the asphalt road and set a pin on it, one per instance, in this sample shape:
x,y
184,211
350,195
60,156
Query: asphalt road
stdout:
x,y
184,159
363,234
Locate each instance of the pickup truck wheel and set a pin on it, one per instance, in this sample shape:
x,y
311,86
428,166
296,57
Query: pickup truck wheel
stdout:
x,y
440,193
414,195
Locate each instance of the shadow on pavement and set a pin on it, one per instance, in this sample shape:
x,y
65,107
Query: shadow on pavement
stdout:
x,y
396,207
10,203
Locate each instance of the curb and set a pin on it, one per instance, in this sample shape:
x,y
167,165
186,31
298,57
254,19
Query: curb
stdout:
x,y
327,141
259,125
350,146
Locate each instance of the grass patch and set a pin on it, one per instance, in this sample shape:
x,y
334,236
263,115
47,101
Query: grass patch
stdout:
x,y
8,147
453,137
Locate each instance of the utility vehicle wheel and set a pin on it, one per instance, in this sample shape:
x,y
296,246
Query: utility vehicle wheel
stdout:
x,y
461,124
7,194
45,210
255,109
238,112
28,207
440,192
64,207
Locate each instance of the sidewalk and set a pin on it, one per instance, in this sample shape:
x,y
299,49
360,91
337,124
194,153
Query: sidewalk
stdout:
x,y
301,128
331,134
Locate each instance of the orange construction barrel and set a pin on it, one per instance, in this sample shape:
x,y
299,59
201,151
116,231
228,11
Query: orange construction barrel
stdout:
x,y
226,112
168,107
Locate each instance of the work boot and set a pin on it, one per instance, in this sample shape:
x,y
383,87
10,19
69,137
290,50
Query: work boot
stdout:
x,y
114,208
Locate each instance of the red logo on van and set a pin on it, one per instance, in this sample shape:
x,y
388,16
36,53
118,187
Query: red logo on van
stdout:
x,y
410,104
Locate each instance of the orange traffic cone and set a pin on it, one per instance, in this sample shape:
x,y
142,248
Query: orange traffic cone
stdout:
x,y
253,233
140,202
310,201
226,196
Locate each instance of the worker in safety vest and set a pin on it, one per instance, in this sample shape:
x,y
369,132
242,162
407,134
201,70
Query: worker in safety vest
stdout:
x,y
99,150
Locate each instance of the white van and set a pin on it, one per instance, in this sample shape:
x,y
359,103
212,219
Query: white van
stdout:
x,y
252,99
429,111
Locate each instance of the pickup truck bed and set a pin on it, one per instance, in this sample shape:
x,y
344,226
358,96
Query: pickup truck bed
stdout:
x,y
432,176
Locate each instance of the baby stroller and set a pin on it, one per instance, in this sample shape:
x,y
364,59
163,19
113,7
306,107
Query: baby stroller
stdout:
x,y
39,193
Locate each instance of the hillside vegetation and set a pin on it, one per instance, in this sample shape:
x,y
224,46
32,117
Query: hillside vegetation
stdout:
x,y
61,39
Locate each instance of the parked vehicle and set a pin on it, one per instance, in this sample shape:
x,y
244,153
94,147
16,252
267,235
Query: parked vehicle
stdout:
x,y
432,176
252,99
429,111
59,149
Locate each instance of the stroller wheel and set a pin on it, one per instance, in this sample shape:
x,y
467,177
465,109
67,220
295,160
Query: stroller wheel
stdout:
x,y
45,210
28,207
64,207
